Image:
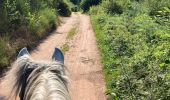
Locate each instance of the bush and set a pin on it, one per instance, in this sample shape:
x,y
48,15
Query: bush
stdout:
x,y
26,22
133,59
76,2
62,8
112,7
75,9
46,19
95,10
135,51
18,12
6,51
156,5
86,4
4,60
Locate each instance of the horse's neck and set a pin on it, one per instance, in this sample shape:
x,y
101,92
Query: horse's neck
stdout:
x,y
47,86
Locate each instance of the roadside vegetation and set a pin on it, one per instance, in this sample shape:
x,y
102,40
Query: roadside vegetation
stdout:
x,y
134,38
25,22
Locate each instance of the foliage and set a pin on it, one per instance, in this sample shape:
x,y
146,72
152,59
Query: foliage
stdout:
x,y
75,9
45,19
6,51
3,53
26,22
135,46
62,8
76,2
18,12
163,16
85,4
112,7
4,17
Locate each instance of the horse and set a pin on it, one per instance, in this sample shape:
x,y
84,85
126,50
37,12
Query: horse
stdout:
x,y
37,80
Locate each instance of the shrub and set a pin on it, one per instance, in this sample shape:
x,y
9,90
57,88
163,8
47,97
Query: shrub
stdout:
x,y
30,20
6,51
163,16
62,8
156,5
86,4
95,10
46,19
135,50
4,60
18,12
75,9
133,60
112,7
76,2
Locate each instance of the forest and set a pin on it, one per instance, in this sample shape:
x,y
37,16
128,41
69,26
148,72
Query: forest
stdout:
x,y
132,35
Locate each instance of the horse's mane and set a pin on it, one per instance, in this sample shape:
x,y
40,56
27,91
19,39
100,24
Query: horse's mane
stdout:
x,y
28,78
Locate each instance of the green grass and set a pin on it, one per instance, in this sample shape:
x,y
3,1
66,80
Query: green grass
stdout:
x,y
65,47
71,33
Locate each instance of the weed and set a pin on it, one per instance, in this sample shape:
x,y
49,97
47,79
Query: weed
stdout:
x,y
71,33
65,48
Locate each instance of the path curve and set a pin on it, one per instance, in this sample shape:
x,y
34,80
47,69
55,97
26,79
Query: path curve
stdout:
x,y
82,59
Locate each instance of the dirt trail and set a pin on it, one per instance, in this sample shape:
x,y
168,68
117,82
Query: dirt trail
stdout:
x,y
82,59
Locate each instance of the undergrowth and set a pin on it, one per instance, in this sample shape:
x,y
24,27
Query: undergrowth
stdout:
x,y
24,22
135,46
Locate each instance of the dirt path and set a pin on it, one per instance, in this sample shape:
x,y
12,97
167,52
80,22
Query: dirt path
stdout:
x,y
82,58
